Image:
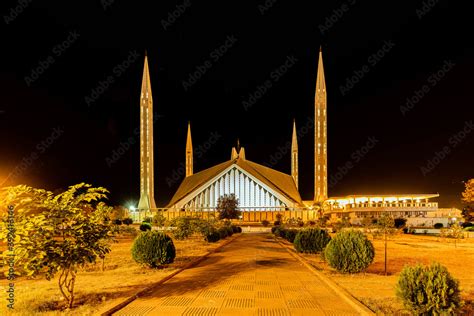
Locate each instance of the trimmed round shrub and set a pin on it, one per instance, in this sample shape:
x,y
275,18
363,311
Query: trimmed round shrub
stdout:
x,y
148,220
467,224
276,231
429,290
230,231
127,221
274,228
239,229
223,232
349,252
153,248
212,237
311,240
117,221
282,232
290,234
438,225
145,226
235,229
265,223
276,223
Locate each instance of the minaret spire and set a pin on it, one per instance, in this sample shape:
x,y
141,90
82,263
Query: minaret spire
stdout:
x,y
320,135
294,155
147,182
189,153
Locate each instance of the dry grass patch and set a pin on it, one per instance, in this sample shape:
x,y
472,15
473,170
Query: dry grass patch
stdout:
x,y
97,289
377,291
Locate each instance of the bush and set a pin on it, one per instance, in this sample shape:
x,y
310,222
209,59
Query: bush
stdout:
x,y
312,240
282,232
223,232
265,223
148,220
184,227
274,228
159,220
236,229
212,236
290,234
117,221
276,223
469,229
145,226
230,231
438,225
467,224
127,221
311,223
153,248
429,290
349,252
399,222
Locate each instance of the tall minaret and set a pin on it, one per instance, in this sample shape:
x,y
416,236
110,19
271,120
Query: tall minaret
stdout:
x,y
147,183
320,136
294,155
189,153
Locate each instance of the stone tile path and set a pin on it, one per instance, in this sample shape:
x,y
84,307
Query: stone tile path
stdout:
x,y
253,275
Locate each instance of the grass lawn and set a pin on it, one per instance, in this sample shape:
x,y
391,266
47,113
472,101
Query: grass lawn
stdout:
x,y
377,291
98,290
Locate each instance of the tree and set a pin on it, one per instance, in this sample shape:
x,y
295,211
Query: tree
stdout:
x,y
58,233
468,199
386,226
119,212
227,206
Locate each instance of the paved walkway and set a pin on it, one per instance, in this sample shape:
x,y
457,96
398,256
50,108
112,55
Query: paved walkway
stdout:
x,y
253,275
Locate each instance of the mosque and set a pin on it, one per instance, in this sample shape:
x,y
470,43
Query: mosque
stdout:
x,y
262,191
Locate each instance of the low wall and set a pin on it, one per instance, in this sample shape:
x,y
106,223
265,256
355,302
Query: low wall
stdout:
x,y
247,216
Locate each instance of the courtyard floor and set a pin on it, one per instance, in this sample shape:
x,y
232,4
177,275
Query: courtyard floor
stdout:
x,y
253,275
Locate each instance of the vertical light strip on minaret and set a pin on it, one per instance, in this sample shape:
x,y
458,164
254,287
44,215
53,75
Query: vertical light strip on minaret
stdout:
x,y
189,153
320,136
294,155
147,183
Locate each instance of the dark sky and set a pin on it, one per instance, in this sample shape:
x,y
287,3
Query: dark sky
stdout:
x,y
57,132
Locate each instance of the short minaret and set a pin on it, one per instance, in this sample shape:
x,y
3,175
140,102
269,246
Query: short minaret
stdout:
x,y
320,136
294,155
189,153
234,154
147,182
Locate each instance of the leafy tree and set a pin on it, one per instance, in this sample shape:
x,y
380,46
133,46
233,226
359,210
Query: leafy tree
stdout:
x,y
159,220
227,205
386,226
119,212
468,199
58,233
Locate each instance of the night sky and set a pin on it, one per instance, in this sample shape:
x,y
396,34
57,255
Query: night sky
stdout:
x,y
398,75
